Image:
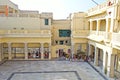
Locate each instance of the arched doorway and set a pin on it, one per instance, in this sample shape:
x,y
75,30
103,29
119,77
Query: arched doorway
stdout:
x,y
18,50
34,51
100,58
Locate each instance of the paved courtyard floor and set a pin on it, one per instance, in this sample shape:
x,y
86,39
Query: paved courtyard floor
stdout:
x,y
48,70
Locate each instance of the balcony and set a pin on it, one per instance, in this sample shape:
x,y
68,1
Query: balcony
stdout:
x,y
25,33
98,9
80,33
116,39
100,36
21,15
9,3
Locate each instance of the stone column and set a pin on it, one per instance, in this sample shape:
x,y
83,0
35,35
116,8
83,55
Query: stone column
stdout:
x,y
96,57
104,61
42,50
110,67
0,52
107,27
9,51
26,51
49,50
91,25
2,56
98,26
89,52
72,50
112,24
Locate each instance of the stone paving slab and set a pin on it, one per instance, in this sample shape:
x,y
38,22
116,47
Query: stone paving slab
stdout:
x,y
81,70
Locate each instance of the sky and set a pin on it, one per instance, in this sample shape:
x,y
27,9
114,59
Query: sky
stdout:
x,y
60,8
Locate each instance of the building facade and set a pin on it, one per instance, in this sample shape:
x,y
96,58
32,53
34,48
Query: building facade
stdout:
x,y
30,35
24,34
103,22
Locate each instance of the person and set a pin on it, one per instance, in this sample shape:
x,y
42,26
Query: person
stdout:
x,y
87,58
29,54
37,55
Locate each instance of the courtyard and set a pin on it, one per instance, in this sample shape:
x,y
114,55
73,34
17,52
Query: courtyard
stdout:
x,y
48,70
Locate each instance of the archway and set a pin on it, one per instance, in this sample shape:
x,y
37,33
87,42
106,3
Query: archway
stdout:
x,y
34,51
18,50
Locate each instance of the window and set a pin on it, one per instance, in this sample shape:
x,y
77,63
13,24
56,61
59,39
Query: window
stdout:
x,y
66,42
64,33
61,42
56,42
46,21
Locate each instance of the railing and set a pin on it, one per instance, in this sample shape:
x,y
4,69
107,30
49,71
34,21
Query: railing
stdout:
x,y
20,15
116,38
92,33
98,8
80,33
106,36
101,33
13,5
26,15
9,3
25,33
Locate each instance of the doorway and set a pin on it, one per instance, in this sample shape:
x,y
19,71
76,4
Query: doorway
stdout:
x,y
61,52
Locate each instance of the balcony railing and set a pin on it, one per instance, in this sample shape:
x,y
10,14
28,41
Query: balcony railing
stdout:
x,y
27,15
9,3
100,36
116,39
98,8
80,33
25,33
21,15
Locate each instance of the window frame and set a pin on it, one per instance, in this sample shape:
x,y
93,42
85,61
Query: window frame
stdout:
x,y
46,21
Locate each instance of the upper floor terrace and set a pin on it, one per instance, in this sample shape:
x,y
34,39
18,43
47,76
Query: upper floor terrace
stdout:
x,y
8,3
100,29
29,15
25,33
100,8
21,15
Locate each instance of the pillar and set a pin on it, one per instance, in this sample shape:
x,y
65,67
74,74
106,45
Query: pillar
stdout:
x,y
26,51
49,50
0,52
91,25
9,51
107,28
110,67
89,49
72,50
104,62
112,24
42,50
96,57
98,26
2,55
